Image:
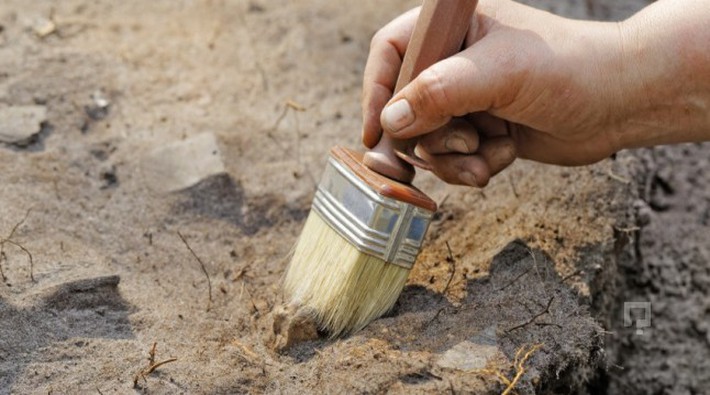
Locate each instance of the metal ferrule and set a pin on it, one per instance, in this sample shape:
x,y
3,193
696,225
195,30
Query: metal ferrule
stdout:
x,y
376,225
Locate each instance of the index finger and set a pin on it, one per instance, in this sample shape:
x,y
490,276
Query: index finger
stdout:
x,y
381,71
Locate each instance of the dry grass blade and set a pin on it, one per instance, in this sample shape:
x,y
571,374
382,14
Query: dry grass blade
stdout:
x,y
204,270
520,367
152,366
521,357
156,365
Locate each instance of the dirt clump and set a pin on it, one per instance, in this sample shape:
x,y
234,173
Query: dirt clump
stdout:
x,y
291,326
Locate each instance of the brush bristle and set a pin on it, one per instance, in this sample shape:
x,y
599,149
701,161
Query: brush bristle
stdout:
x,y
345,288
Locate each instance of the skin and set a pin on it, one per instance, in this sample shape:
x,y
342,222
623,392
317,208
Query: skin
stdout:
x,y
533,85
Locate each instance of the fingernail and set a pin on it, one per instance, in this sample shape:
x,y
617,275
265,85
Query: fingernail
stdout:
x,y
397,116
468,178
456,144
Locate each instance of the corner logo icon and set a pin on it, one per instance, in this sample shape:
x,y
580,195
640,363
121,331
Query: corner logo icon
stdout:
x,y
637,314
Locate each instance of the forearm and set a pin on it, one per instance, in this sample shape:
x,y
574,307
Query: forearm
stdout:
x,y
666,74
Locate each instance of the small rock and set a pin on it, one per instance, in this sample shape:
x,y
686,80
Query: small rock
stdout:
x,y
99,107
43,27
644,213
472,354
109,177
182,164
18,124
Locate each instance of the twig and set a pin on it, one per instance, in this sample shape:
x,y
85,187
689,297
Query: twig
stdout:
x,y
495,373
534,258
8,239
288,105
295,106
617,177
450,259
512,186
156,365
251,299
443,201
26,251
204,270
515,279
2,259
573,274
533,318
269,133
248,355
524,305
548,324
17,225
151,354
152,366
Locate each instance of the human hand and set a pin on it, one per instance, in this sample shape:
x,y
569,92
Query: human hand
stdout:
x,y
528,84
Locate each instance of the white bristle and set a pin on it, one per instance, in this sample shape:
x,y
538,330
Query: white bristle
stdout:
x,y
345,288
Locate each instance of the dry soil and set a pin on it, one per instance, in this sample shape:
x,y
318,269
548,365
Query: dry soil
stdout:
x,y
245,98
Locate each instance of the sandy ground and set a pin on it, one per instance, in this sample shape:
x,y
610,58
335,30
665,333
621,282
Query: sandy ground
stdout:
x,y
244,98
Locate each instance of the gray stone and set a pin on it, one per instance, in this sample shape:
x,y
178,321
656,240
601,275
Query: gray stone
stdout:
x,y
19,123
182,164
472,354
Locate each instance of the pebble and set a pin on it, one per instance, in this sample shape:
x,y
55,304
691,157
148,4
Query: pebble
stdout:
x,y
182,164
99,107
473,353
43,27
18,124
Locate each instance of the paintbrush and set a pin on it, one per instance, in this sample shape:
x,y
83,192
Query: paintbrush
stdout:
x,y
367,222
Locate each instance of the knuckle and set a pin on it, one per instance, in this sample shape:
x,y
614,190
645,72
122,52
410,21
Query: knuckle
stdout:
x,y
378,38
432,93
507,151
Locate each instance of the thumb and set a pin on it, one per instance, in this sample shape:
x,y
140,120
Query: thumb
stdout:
x,y
456,86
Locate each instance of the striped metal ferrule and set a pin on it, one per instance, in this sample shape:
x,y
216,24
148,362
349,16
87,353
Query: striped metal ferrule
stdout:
x,y
376,225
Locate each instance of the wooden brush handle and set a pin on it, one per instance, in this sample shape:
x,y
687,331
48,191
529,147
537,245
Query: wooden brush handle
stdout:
x,y
439,33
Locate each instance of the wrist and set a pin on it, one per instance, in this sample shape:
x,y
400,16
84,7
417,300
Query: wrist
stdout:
x,y
603,76
664,72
